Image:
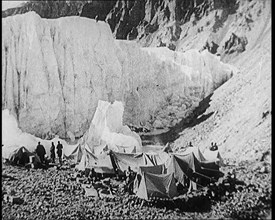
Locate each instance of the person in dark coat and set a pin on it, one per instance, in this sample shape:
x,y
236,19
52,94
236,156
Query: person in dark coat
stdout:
x,y
40,150
130,176
53,153
59,148
213,146
24,159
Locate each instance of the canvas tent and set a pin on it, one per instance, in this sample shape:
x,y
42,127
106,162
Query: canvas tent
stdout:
x,y
158,169
189,171
103,164
198,154
153,158
21,156
167,148
214,156
183,166
85,157
76,155
158,157
124,160
87,160
212,160
156,185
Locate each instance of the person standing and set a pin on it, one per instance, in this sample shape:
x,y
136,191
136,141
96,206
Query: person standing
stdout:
x,y
40,150
53,153
213,147
59,151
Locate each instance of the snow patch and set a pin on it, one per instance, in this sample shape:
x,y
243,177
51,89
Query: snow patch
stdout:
x,y
13,138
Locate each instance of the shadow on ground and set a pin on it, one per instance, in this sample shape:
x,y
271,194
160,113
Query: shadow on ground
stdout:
x,y
188,122
194,204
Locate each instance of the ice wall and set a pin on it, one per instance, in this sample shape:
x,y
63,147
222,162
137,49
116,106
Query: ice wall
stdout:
x,y
163,82
54,71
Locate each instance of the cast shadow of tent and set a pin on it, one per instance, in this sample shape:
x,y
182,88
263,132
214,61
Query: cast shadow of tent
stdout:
x,y
196,203
188,122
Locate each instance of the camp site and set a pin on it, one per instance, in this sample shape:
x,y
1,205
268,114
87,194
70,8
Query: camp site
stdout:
x,y
136,109
112,174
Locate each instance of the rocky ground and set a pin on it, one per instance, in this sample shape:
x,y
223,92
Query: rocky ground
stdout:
x,y
56,193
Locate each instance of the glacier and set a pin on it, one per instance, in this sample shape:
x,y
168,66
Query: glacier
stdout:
x,y
54,72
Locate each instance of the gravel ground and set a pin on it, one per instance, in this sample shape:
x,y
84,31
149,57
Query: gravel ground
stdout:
x,y
55,194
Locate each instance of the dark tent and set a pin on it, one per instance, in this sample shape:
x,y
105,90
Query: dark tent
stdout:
x,y
157,185
124,160
158,169
21,156
189,171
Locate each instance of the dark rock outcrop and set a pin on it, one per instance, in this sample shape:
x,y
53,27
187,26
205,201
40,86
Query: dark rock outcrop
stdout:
x,y
178,25
128,18
234,45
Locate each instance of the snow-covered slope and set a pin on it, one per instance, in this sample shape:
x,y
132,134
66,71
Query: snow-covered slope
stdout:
x,y
56,70
12,4
13,137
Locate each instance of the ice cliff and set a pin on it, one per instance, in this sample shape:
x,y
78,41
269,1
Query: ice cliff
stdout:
x,y
54,71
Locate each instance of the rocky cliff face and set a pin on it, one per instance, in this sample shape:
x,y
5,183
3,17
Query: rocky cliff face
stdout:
x,y
241,108
223,27
56,70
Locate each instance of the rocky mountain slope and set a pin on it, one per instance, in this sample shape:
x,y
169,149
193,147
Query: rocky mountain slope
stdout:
x,y
237,116
223,27
241,120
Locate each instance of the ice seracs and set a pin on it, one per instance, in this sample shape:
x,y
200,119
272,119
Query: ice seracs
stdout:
x,y
56,70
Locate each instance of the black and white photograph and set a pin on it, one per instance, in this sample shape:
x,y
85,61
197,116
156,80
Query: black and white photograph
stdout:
x,y
136,109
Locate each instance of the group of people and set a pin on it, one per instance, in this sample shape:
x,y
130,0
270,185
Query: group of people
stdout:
x,y
213,147
41,152
139,129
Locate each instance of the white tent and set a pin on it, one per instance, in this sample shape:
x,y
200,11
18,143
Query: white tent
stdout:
x,y
214,156
101,163
198,154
